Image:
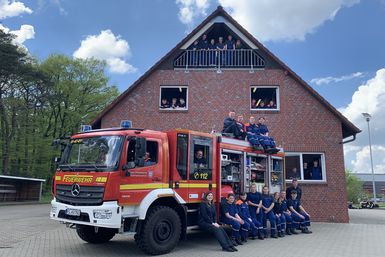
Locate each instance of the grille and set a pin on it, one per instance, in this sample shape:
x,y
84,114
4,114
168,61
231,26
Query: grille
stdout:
x,y
89,195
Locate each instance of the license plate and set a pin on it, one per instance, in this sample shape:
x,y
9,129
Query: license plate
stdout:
x,y
73,212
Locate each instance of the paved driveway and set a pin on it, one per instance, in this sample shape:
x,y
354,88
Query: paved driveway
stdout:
x,y
25,230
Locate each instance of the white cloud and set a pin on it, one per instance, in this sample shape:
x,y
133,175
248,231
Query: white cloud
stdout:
x,y
369,98
24,33
12,9
362,160
190,9
283,19
328,80
106,46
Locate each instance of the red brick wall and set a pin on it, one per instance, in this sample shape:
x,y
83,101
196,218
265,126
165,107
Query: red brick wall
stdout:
x,y
303,124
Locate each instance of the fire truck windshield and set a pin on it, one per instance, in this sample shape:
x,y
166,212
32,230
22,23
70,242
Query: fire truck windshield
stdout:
x,y
92,153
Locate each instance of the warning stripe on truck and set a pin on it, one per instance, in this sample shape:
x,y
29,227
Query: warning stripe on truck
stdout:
x,y
162,185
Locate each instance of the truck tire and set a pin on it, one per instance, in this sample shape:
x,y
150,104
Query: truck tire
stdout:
x,y
88,234
160,231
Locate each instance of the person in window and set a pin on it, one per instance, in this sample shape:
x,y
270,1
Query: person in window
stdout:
x,y
164,104
229,216
203,46
316,172
212,52
229,46
267,206
271,105
294,173
182,103
294,186
208,222
306,171
261,104
199,160
220,51
252,134
147,160
253,104
230,127
174,103
267,142
300,217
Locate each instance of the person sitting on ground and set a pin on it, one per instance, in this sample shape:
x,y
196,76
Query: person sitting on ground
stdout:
x,y
300,217
267,142
294,186
252,134
208,222
244,213
231,128
229,216
182,103
287,214
164,104
147,160
280,218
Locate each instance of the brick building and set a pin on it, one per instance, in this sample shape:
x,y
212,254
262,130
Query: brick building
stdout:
x,y
213,82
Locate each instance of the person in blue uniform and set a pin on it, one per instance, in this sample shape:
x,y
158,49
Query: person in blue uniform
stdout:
x,y
229,46
252,134
212,52
280,218
267,142
244,213
203,46
254,200
229,216
267,206
287,214
316,172
300,217
220,51
294,186
208,222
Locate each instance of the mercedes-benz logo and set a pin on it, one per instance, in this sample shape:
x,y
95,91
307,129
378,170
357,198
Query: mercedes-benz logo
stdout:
x,y
75,190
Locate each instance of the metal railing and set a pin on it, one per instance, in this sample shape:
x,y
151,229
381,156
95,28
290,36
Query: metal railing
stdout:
x,y
212,58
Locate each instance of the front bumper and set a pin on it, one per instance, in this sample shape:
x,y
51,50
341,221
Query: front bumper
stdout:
x,y
87,214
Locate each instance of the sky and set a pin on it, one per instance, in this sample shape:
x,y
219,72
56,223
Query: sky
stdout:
x,y
337,46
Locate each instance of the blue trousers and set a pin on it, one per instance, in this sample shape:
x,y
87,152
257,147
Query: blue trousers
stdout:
x,y
266,141
235,225
271,217
281,222
299,222
252,138
253,213
289,220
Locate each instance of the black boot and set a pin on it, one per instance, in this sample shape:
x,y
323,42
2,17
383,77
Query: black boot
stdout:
x,y
238,240
288,232
279,234
305,230
234,249
274,236
283,233
227,249
260,235
292,230
234,241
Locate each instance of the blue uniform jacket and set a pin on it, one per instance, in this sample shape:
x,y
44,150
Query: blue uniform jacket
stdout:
x,y
252,128
262,128
294,203
243,209
267,200
230,208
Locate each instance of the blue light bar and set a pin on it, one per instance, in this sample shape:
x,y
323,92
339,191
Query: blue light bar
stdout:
x,y
85,128
126,124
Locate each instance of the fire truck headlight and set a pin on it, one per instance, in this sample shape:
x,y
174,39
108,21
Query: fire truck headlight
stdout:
x,y
53,209
102,214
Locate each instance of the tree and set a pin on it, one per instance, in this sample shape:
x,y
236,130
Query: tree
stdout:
x,y
354,187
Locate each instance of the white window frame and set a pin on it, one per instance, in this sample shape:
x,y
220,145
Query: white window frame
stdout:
x,y
323,167
170,109
266,109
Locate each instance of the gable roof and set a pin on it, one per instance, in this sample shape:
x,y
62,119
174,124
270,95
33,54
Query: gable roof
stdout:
x,y
348,128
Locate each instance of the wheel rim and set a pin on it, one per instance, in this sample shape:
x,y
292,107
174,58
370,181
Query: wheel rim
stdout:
x,y
163,231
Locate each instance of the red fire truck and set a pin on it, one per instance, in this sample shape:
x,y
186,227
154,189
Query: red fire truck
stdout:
x,y
149,184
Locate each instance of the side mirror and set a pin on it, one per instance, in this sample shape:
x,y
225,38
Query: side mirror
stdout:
x,y
126,167
140,151
57,160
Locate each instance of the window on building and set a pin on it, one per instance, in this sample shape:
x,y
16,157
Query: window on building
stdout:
x,y
201,158
181,155
264,98
173,98
305,166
